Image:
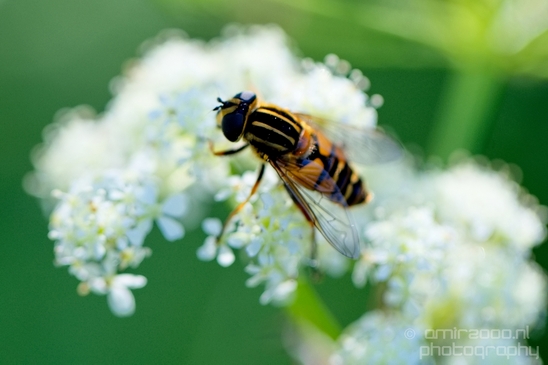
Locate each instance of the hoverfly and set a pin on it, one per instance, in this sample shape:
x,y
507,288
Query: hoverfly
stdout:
x,y
312,167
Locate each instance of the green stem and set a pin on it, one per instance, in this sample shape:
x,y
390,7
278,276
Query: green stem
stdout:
x,y
309,307
467,110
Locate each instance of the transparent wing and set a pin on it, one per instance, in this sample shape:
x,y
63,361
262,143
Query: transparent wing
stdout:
x,y
362,145
325,206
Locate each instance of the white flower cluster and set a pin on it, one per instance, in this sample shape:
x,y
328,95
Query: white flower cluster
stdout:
x,y
274,234
380,338
385,337
99,227
149,148
450,249
446,248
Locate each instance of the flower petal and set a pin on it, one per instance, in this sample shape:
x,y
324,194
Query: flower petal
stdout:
x,y
148,194
171,229
254,247
130,281
137,235
208,250
225,257
121,301
212,226
175,206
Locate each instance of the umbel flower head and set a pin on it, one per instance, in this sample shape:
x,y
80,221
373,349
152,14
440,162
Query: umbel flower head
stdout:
x,y
444,248
145,159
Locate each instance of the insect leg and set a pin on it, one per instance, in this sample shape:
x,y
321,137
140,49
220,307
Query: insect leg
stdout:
x,y
241,205
227,152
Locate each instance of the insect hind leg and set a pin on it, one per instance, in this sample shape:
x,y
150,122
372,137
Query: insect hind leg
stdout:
x,y
242,204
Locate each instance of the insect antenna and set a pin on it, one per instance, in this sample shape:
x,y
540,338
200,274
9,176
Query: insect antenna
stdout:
x,y
219,106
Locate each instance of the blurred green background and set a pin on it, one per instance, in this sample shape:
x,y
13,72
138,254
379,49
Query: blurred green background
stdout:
x,y
61,53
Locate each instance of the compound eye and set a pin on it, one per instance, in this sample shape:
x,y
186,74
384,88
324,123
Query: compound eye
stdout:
x,y
233,126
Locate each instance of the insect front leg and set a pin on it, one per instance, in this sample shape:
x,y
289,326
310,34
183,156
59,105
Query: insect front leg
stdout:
x,y
241,205
227,152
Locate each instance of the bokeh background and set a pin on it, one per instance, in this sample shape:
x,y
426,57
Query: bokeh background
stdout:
x,y
63,53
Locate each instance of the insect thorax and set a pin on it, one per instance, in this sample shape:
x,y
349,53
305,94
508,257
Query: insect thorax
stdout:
x,y
273,131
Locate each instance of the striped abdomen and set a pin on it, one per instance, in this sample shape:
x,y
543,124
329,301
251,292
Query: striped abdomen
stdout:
x,y
273,131
332,159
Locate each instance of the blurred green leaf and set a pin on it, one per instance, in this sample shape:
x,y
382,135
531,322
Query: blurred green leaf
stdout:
x,y
509,35
310,308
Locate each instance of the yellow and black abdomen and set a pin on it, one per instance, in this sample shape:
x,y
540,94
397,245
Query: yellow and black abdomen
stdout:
x,y
333,160
273,131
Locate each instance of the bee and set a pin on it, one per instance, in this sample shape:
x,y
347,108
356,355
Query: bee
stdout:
x,y
313,167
